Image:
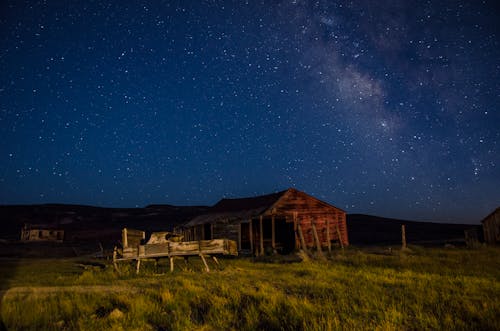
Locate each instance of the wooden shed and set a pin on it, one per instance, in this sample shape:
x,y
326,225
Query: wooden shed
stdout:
x,y
279,222
491,227
41,232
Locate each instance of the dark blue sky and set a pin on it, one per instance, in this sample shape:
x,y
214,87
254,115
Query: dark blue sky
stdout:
x,y
380,107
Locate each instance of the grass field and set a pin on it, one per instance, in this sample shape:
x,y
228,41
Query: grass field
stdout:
x,y
369,289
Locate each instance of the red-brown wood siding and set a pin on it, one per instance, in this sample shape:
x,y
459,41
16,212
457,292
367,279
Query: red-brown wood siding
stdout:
x,y
310,209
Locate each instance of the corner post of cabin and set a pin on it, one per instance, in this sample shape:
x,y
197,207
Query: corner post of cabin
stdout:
x,y
261,236
273,231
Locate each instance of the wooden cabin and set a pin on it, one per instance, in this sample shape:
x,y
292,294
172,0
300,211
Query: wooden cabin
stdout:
x,y
491,227
280,222
41,232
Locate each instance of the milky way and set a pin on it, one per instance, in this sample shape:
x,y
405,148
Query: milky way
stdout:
x,y
380,107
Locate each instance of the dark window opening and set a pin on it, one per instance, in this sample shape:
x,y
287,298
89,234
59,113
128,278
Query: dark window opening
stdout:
x,y
208,231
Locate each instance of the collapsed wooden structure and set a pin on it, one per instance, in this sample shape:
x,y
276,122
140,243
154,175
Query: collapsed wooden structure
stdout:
x,y
167,244
280,222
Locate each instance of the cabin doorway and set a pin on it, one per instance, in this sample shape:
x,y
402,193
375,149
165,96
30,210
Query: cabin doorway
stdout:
x,y
245,236
284,236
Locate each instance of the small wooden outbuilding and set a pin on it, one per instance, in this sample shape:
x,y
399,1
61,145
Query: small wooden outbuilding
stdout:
x,y
41,232
279,222
491,227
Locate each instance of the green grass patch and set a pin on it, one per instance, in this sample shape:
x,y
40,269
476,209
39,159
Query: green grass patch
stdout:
x,y
454,289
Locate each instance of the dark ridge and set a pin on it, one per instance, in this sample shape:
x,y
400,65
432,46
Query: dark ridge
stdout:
x,y
89,223
374,230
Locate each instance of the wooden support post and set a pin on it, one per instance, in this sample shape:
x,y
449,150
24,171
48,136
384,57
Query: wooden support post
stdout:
x,y
261,236
316,239
251,237
205,263
215,260
403,237
301,236
340,237
273,233
138,266
295,230
328,240
124,237
115,265
171,258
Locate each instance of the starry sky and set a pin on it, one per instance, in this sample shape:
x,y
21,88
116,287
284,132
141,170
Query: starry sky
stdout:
x,y
380,107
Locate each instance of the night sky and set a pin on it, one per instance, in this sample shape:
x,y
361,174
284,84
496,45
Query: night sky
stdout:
x,y
380,107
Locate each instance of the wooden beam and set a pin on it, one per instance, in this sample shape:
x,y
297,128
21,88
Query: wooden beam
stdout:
x,y
124,238
171,264
340,237
216,261
403,237
301,236
261,236
138,266
316,239
205,263
115,265
329,243
273,233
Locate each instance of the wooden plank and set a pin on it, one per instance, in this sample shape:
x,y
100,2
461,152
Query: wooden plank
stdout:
x,y
115,256
403,236
205,262
340,237
132,238
261,236
215,260
138,266
301,236
316,239
124,238
171,264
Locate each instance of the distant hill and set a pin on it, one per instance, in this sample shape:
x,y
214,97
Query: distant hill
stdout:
x,y
97,224
374,230
94,223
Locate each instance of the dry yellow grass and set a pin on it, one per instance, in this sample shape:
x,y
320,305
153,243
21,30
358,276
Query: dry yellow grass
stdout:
x,y
453,289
